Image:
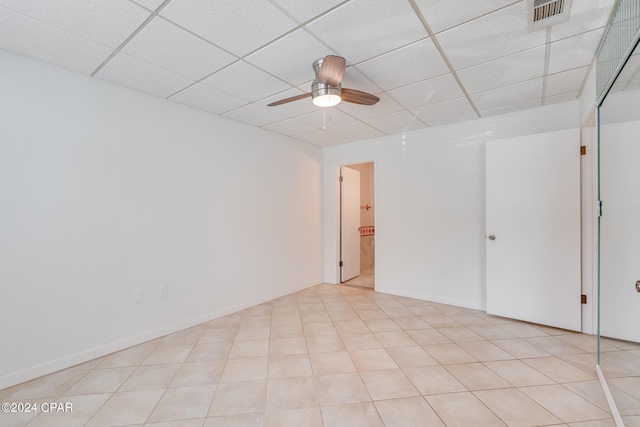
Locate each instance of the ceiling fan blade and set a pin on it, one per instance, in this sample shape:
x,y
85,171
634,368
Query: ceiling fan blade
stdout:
x,y
332,70
358,97
291,99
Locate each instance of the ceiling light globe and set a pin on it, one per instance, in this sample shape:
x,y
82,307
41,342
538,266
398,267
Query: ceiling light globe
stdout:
x,y
327,100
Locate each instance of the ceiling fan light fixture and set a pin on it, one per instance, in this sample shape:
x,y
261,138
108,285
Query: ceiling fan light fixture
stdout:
x,y
327,100
326,88
325,95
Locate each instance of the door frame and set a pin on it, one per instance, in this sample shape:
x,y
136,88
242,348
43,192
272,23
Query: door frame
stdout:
x,y
344,171
336,211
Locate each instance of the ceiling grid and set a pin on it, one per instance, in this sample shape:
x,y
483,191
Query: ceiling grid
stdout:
x,y
431,62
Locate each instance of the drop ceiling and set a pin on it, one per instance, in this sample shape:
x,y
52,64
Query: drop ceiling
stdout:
x,y
431,62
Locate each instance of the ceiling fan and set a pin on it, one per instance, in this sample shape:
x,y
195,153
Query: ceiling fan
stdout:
x,y
326,90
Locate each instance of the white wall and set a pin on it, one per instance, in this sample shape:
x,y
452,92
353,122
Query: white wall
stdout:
x,y
588,99
430,203
104,189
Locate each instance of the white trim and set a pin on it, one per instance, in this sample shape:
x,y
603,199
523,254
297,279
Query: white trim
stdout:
x,y
336,212
431,298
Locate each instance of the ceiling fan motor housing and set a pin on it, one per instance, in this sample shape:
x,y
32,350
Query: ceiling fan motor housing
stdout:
x,y
318,88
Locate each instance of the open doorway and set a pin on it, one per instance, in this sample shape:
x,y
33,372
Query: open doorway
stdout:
x,y
357,226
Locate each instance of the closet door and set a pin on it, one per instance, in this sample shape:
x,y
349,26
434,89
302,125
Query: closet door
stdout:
x,y
620,229
533,228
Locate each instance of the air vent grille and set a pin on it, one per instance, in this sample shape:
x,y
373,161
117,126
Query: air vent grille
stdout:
x,y
546,13
543,9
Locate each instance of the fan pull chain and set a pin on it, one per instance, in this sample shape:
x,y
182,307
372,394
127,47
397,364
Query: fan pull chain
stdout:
x,y
324,119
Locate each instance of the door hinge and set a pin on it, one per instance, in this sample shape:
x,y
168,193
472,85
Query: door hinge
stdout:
x,y
341,179
599,208
583,150
583,299
341,264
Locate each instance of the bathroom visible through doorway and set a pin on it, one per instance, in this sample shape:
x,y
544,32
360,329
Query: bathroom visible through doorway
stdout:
x,y
357,225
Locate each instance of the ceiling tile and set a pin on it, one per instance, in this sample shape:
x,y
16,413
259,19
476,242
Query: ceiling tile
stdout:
x,y
164,44
134,73
567,81
565,97
386,105
511,108
454,110
303,10
505,71
208,99
33,38
291,109
246,81
426,92
355,130
391,70
325,117
255,114
439,16
398,122
245,54
493,36
290,127
321,138
362,29
618,87
633,85
105,22
149,4
509,95
291,58
218,21
585,15
574,52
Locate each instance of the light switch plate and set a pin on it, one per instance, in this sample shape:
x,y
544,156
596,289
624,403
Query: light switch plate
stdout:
x,y
137,296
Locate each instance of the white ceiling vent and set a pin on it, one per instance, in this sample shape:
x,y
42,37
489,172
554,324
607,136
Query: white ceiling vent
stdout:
x,y
544,13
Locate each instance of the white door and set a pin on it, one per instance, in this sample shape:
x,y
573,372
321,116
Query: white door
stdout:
x,y
533,228
349,223
620,230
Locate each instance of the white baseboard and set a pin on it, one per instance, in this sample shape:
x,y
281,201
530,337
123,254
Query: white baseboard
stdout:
x,y
474,305
68,361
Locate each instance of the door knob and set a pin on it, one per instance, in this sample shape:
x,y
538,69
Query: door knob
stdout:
x,y
492,237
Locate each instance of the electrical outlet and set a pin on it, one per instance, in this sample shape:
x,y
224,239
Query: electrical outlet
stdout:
x,y
447,271
164,291
137,296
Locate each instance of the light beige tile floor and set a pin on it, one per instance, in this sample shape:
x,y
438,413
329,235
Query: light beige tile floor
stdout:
x,y
620,366
343,356
366,279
